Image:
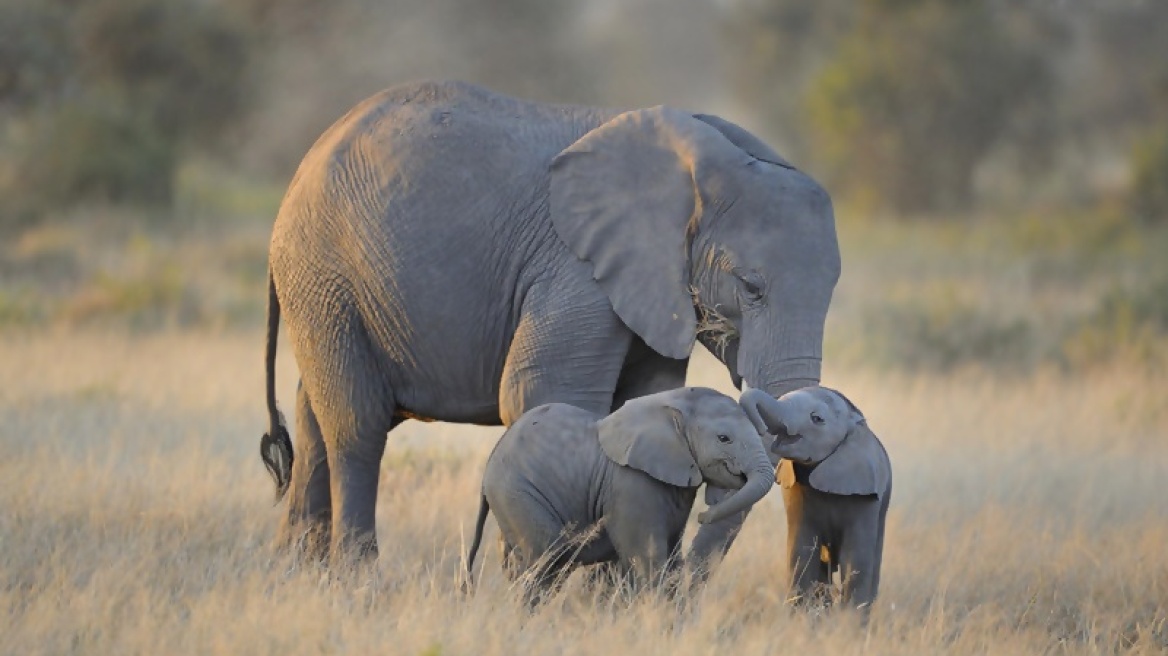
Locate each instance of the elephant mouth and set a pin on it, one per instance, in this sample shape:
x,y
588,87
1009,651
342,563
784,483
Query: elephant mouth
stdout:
x,y
784,441
740,477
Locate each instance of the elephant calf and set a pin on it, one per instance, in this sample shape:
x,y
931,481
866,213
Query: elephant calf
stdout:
x,y
570,487
837,482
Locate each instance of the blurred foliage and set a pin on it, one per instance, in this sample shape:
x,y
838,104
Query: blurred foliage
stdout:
x,y
78,152
320,58
103,98
1149,186
931,107
1041,125
35,52
1129,323
942,330
935,106
916,97
1069,291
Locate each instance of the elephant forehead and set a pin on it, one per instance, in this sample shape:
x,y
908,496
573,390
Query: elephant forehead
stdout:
x,y
719,405
832,399
801,398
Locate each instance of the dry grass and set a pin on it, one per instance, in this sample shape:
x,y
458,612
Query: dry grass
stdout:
x,y
1029,516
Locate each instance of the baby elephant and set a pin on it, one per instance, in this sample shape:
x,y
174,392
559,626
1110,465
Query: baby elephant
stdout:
x,y
559,471
837,482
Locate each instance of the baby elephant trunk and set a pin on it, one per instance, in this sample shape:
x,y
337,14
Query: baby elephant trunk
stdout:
x,y
758,482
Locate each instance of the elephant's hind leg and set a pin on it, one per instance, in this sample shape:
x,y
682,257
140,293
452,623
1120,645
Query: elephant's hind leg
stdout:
x,y
306,525
355,465
354,405
537,555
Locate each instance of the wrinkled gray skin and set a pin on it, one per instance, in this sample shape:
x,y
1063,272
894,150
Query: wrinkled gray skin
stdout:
x,y
837,483
447,253
560,470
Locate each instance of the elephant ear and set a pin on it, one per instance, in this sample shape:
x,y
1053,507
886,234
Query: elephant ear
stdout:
x,y
745,140
624,198
859,466
648,435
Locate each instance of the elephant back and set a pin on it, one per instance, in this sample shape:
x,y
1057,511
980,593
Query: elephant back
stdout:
x,y
552,449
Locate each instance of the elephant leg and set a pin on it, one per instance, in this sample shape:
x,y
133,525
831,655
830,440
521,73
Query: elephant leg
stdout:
x,y
355,465
354,406
536,554
713,541
507,560
309,502
568,348
858,576
545,581
602,577
647,552
810,577
646,372
859,563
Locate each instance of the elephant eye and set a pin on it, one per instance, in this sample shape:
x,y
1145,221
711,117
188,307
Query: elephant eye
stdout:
x,y
752,284
816,419
724,439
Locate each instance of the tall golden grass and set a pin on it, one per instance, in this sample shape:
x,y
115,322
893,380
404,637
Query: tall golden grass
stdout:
x,y
1029,515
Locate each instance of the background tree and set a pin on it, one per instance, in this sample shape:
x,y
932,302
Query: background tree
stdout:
x,y
916,97
103,99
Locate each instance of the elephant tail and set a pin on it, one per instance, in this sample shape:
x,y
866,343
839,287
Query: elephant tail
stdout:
x,y
484,508
275,446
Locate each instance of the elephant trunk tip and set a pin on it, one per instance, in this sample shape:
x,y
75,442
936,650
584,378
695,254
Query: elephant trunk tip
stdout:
x,y
758,483
790,385
276,452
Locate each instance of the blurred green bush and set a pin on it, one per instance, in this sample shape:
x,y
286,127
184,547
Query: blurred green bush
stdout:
x,y
1148,196
102,99
936,108
1127,322
916,96
81,152
939,330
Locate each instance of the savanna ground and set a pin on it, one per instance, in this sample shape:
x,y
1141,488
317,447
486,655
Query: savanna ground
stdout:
x,y
1013,368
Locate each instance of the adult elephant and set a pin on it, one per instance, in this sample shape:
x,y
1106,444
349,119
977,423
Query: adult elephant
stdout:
x,y
448,253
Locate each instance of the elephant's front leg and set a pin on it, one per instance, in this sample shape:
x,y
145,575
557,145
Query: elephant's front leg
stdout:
x,y
810,576
650,564
648,551
859,560
713,541
568,348
646,372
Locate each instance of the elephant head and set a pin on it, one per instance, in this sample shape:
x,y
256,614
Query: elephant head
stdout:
x,y
819,427
696,229
686,436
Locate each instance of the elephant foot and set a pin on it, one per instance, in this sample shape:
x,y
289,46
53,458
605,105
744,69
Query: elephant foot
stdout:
x,y
816,598
306,540
354,552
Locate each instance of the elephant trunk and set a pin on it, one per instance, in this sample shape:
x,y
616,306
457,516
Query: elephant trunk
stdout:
x,y
789,375
764,411
788,356
758,483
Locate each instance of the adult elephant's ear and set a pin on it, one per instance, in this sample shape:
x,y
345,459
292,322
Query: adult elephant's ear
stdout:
x,y
648,435
744,140
859,466
623,198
